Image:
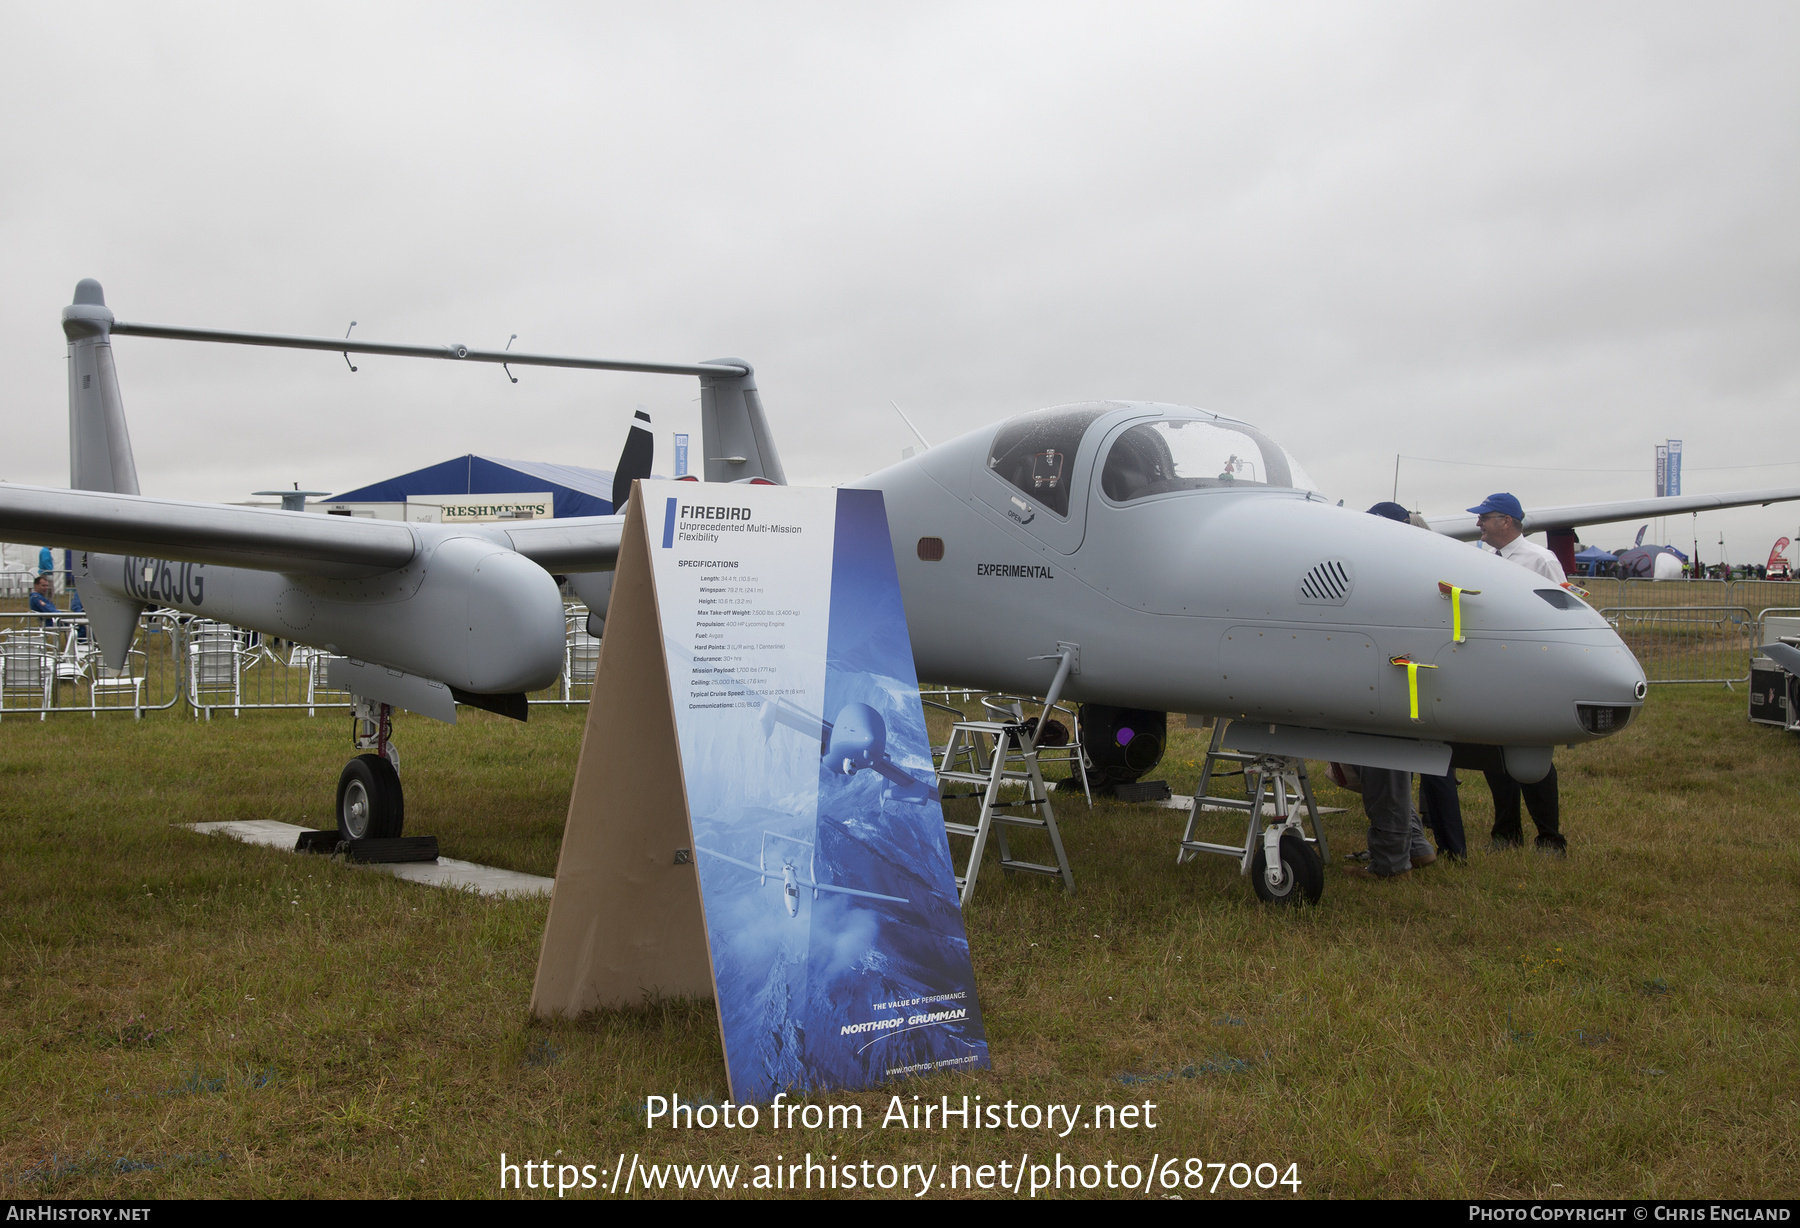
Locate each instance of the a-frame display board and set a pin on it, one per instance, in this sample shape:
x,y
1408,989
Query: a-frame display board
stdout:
x,y
755,814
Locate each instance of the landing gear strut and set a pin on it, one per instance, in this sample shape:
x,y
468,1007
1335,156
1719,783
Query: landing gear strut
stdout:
x,y
370,803
1282,864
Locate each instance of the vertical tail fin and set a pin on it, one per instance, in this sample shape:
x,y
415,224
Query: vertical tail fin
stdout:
x,y
99,443
733,431
99,453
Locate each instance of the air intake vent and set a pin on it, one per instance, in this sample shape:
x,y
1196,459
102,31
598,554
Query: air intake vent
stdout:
x,y
1327,584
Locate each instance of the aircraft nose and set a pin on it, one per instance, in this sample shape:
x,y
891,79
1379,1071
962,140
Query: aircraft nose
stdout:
x,y
1526,688
858,737
1519,659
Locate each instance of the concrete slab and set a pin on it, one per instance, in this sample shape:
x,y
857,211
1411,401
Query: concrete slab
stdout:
x,y
1182,801
445,872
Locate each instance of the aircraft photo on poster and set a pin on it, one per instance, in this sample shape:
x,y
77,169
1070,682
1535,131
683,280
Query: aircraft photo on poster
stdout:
x,y
838,949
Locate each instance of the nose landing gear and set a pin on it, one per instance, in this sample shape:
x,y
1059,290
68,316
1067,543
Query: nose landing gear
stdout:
x,y
1282,864
370,802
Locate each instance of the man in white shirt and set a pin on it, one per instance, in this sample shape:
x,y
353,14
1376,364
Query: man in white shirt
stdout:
x,y
1502,524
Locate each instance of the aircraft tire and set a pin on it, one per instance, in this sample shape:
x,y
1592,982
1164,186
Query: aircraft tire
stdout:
x,y
1302,873
370,803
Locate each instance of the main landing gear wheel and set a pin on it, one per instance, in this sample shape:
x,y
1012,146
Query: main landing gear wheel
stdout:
x,y
1302,873
369,801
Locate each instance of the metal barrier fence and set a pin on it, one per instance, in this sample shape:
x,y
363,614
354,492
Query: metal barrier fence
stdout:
x,y
1604,593
1688,643
49,664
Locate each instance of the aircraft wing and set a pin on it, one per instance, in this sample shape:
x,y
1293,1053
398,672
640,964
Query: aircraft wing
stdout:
x,y
899,775
781,711
734,861
261,538
269,540
867,895
576,544
1539,519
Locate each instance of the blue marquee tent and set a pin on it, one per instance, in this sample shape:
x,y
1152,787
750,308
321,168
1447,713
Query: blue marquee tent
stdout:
x,y
576,491
1590,561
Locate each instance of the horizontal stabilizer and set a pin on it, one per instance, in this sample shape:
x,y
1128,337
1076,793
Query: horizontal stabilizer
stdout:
x,y
725,369
260,538
1462,527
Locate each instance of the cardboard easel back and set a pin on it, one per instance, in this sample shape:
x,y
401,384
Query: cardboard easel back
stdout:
x,y
625,920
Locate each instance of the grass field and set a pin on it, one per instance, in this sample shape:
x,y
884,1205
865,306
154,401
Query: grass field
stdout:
x,y
187,1016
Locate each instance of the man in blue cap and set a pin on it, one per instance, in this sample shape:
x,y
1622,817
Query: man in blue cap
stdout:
x,y
1397,842
1502,524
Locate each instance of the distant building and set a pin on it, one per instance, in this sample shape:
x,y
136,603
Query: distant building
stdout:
x,y
478,488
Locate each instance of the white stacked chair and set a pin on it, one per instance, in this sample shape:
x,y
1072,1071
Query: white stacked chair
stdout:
x,y
215,658
313,661
104,680
581,658
28,667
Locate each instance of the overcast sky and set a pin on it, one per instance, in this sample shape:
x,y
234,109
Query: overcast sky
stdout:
x,y
1546,236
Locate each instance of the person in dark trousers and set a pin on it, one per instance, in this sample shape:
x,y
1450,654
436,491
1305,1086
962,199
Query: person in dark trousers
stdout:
x,y
1396,840
1437,794
1443,813
75,607
1545,806
1502,523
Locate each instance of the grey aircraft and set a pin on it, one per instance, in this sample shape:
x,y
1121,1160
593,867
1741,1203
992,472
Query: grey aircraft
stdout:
x,y
1137,558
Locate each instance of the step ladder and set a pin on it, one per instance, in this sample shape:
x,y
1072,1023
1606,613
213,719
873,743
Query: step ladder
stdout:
x,y
993,755
1278,783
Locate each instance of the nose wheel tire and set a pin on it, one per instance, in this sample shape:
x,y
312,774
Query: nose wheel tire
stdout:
x,y
370,804
1302,873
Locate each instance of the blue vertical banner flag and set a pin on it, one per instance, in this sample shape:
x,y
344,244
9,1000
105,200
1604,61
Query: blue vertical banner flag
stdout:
x,y
1662,470
1672,470
681,456
838,953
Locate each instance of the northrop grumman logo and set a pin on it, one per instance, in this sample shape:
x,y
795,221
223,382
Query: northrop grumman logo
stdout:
x,y
1017,571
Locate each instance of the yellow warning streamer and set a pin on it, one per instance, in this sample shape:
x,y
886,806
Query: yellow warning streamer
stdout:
x,y
1412,680
1445,588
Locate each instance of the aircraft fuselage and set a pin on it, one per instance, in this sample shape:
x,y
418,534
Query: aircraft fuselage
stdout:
x,y
1199,601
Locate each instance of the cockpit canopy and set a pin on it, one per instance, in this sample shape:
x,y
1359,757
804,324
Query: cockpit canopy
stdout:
x,y
1035,451
1180,449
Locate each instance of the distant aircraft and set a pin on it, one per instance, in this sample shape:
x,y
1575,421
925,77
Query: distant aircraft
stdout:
x,y
792,882
1136,557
